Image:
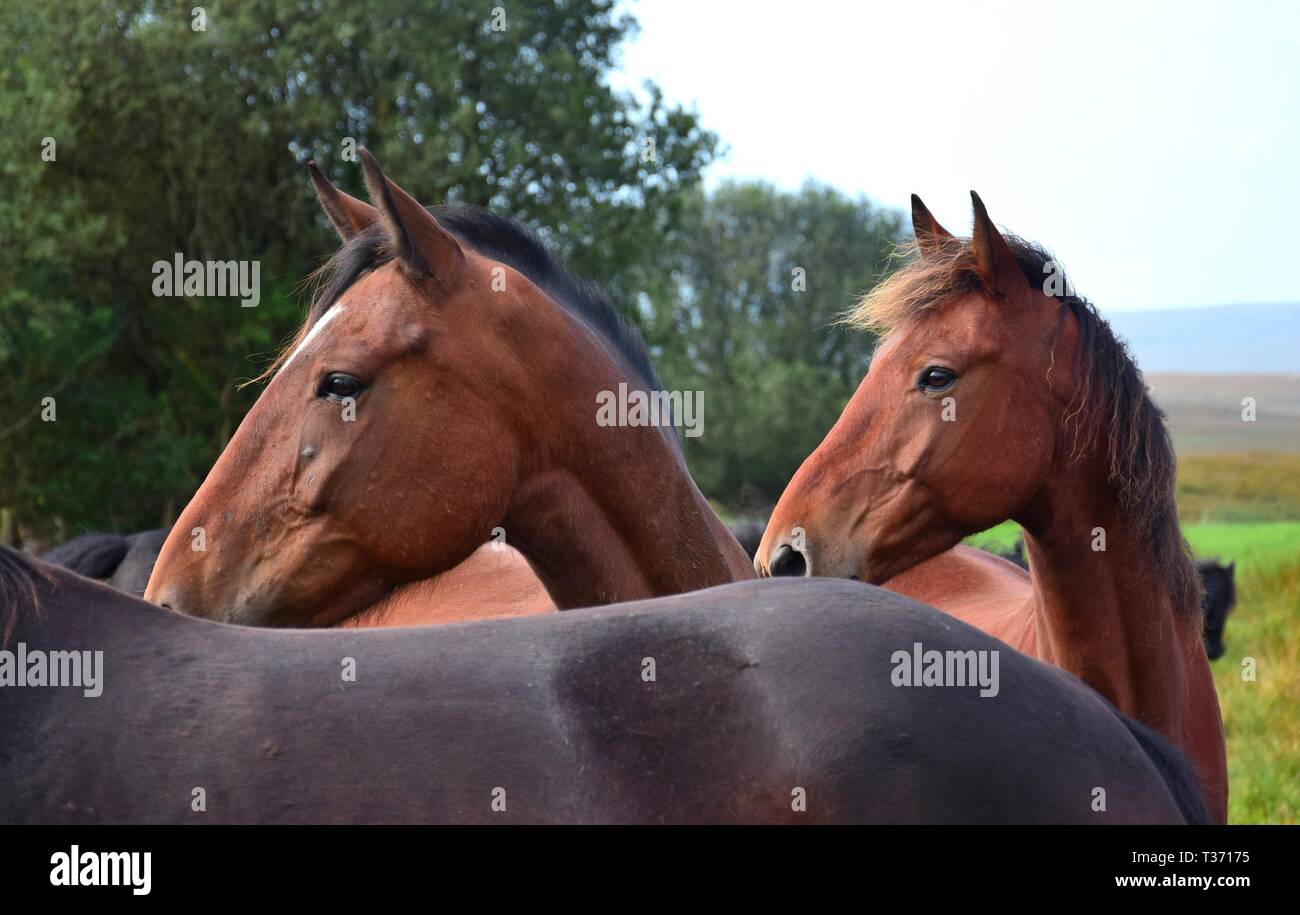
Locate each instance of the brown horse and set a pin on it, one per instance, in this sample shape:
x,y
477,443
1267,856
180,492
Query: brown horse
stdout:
x,y
994,395
473,363
444,384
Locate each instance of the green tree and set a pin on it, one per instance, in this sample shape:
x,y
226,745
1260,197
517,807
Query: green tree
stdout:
x,y
174,138
761,277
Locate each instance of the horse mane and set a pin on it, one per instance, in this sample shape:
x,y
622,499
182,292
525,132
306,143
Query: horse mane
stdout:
x,y
501,239
20,579
1112,412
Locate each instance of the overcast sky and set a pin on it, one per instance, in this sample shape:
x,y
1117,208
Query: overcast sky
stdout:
x,y
1155,147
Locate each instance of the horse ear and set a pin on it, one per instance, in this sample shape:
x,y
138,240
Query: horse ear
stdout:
x,y
930,236
421,246
347,214
994,260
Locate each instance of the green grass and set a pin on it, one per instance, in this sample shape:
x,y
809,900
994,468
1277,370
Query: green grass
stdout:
x,y
1262,718
1258,547
997,539
1229,504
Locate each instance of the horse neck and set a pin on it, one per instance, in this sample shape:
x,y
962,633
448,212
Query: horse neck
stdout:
x,y
1112,618
611,513
1104,611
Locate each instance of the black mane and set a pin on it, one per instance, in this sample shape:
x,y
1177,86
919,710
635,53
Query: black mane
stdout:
x,y
508,241
20,579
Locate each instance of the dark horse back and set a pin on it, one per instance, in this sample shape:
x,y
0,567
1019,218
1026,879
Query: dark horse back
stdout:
x,y
756,702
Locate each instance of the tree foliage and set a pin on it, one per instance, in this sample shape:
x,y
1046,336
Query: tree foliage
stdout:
x,y
170,138
760,278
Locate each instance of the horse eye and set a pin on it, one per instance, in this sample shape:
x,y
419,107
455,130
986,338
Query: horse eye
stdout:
x,y
936,378
337,386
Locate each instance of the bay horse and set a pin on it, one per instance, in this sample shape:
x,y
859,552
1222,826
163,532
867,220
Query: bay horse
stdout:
x,y
991,396
757,702
474,362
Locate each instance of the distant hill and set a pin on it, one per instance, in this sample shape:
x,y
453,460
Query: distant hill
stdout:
x,y
1205,411
1228,339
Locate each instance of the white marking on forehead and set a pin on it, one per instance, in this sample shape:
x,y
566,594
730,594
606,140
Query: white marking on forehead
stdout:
x,y
334,312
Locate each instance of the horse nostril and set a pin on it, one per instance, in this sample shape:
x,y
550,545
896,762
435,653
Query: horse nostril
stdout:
x,y
165,598
788,561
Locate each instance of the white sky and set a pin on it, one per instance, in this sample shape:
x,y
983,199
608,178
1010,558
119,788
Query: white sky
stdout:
x,y
1155,147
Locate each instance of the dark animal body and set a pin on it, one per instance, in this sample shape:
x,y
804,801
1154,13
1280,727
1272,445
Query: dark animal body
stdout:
x,y
1219,596
120,561
760,690
749,534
